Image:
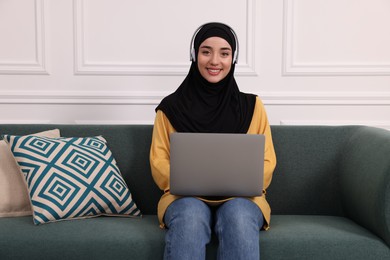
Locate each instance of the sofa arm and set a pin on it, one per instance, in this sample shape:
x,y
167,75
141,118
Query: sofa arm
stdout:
x,y
365,180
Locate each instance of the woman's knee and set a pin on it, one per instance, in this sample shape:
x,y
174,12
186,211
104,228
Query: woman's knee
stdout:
x,y
241,214
188,212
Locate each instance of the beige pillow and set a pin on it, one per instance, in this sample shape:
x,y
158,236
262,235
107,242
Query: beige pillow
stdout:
x,y
14,198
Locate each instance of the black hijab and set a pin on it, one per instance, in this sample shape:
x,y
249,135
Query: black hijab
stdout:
x,y
200,106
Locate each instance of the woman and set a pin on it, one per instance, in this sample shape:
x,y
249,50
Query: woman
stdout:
x,y
209,101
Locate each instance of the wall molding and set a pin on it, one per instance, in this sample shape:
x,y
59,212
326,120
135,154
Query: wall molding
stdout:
x,y
82,98
293,67
85,67
39,65
326,98
154,98
379,124
24,121
114,122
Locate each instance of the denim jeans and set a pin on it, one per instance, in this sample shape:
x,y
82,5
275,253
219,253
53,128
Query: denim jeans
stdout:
x,y
190,223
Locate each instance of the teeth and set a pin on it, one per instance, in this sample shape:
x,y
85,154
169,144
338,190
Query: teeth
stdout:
x,y
213,71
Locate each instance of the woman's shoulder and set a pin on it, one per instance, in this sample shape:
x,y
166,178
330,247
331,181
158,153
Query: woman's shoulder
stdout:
x,y
259,101
163,121
256,98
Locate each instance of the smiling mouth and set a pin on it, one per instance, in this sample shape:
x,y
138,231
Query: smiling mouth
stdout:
x,y
214,72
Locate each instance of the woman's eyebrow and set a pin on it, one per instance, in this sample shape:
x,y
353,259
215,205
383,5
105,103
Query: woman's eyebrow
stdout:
x,y
210,48
226,49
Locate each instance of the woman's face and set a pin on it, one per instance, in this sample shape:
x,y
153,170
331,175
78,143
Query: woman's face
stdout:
x,y
214,59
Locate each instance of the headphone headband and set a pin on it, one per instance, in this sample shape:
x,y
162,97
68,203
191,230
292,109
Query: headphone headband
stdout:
x,y
192,47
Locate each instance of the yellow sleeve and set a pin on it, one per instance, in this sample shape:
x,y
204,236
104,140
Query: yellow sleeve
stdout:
x,y
260,125
160,150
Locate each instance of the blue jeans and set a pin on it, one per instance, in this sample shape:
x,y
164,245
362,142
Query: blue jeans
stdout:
x,y
190,222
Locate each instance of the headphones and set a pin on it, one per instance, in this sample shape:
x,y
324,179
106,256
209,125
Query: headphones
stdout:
x,y
192,48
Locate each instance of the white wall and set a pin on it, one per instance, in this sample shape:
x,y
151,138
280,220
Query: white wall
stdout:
x,y
112,61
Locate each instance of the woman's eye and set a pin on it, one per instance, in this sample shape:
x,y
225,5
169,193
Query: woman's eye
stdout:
x,y
205,52
225,54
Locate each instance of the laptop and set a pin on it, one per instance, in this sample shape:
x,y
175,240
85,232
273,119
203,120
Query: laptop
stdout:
x,y
203,164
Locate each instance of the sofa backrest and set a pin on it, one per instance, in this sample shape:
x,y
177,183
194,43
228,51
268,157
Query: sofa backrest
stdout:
x,y
305,180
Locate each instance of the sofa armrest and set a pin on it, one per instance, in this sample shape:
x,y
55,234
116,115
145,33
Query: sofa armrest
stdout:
x,y
365,180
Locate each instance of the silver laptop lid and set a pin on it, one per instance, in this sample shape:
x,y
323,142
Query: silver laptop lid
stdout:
x,y
204,164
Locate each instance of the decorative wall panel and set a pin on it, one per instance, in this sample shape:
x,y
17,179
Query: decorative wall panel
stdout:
x,y
336,37
118,38
23,39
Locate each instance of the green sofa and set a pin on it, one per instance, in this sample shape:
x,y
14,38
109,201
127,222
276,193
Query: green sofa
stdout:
x,y
330,199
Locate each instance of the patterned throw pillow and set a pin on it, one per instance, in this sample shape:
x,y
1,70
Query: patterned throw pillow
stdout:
x,y
71,178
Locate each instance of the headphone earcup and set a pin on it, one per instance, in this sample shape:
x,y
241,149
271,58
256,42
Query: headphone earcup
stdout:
x,y
235,57
193,58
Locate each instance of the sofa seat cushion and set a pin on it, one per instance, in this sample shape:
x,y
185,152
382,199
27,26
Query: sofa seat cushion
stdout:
x,y
290,237
320,237
95,238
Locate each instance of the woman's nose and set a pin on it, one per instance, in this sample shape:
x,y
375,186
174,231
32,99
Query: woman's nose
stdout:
x,y
214,59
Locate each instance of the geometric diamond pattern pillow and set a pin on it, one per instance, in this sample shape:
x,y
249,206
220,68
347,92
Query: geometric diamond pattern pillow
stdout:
x,y
70,178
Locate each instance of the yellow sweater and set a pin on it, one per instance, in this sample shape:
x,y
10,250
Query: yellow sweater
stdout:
x,y
160,166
